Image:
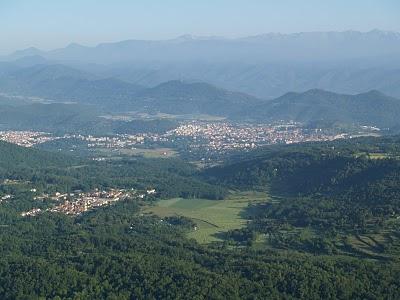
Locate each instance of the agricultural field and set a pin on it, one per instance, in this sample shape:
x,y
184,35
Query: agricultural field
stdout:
x,y
212,217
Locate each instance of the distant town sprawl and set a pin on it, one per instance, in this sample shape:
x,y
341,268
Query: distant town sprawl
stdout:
x,y
26,138
217,137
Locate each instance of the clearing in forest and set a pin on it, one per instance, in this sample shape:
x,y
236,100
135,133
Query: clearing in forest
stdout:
x,y
212,217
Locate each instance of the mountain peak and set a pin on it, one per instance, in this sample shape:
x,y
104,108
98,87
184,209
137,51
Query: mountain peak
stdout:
x,y
373,93
384,32
31,51
186,37
190,37
31,60
74,46
317,92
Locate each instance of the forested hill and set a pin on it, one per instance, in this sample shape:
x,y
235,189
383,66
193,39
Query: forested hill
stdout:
x,y
371,108
277,162
98,95
56,172
13,157
119,252
62,83
177,97
63,118
54,117
340,184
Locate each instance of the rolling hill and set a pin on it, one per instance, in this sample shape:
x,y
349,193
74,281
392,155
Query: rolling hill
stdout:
x,y
55,117
62,83
74,118
265,66
177,97
265,80
13,157
371,108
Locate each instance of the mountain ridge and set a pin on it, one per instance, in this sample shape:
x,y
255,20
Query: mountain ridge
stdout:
x,y
372,108
329,44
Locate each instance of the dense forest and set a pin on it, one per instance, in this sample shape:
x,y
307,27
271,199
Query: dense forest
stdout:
x,y
114,253
51,172
303,242
323,195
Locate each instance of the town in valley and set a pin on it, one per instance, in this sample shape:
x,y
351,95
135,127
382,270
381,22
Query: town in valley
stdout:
x,y
197,136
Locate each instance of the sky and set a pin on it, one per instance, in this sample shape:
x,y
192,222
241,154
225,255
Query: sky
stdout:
x,y
49,24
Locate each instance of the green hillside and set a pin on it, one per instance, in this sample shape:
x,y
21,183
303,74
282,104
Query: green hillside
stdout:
x,y
372,108
62,83
13,157
339,241
324,195
176,97
55,117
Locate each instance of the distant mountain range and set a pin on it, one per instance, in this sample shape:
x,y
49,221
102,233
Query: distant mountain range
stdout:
x,y
265,80
363,89
62,83
272,47
265,66
95,96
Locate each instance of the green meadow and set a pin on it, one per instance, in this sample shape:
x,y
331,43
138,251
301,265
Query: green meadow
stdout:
x,y
212,217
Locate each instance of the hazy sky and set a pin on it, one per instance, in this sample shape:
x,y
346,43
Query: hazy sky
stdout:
x,y
50,24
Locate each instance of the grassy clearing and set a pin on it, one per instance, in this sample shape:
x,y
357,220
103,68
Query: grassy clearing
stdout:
x,y
147,153
141,115
211,216
370,245
377,155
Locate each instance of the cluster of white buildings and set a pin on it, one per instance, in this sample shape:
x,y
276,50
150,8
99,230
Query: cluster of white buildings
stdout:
x,y
220,136
26,138
79,202
116,141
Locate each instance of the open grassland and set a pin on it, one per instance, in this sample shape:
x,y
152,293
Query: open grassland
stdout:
x,y
377,155
212,217
147,153
142,115
382,245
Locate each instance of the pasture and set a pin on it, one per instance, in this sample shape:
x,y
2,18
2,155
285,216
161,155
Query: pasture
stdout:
x,y
212,217
147,153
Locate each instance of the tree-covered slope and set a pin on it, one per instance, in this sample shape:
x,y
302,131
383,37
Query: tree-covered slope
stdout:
x,y
52,172
54,117
62,83
338,178
13,157
114,253
177,97
118,252
371,108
